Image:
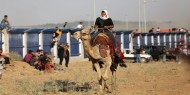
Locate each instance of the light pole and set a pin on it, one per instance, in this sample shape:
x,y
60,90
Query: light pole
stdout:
x,y
94,10
127,22
139,15
144,10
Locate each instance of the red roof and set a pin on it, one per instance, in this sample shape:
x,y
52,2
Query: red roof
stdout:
x,y
165,30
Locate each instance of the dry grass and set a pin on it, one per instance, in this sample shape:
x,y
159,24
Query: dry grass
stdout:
x,y
153,78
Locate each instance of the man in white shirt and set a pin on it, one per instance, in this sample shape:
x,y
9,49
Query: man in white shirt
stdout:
x,y
80,25
158,29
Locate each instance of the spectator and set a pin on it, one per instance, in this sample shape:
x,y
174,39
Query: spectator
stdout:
x,y
5,23
33,61
5,56
59,33
136,31
61,53
177,54
138,52
182,30
158,29
38,53
67,55
151,30
2,61
46,63
65,25
132,35
52,44
28,56
80,25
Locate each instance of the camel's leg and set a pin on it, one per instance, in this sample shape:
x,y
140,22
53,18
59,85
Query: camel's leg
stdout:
x,y
100,79
107,68
105,76
113,82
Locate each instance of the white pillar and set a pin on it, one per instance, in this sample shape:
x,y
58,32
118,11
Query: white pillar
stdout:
x,y
179,35
69,40
185,41
131,43
152,39
138,41
175,40
145,39
55,50
158,40
24,44
41,40
170,40
5,40
122,40
81,50
164,36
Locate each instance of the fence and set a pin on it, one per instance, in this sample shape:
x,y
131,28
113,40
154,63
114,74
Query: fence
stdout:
x,y
22,40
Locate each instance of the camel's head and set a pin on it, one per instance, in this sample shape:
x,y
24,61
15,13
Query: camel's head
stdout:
x,y
83,34
76,35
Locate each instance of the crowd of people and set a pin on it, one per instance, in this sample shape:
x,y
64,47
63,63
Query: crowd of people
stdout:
x,y
45,61
40,60
158,52
168,30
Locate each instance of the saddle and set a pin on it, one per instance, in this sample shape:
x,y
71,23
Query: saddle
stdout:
x,y
104,43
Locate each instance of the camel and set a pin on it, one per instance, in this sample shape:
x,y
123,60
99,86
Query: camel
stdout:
x,y
94,54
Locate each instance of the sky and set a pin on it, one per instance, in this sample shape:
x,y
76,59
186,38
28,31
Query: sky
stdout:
x,y
37,12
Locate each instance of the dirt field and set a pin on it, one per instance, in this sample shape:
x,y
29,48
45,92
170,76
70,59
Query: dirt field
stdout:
x,y
154,78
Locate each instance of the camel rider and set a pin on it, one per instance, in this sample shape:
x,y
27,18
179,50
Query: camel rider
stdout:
x,y
104,23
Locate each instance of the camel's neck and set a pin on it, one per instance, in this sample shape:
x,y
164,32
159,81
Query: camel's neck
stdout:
x,y
87,46
89,50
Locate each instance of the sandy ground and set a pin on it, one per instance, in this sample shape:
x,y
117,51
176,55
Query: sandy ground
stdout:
x,y
153,78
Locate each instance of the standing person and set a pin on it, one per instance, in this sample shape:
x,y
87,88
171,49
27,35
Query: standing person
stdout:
x,y
59,33
2,61
61,53
5,23
67,55
80,25
138,52
177,54
52,45
65,25
105,24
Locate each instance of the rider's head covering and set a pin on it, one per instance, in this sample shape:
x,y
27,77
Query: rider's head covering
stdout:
x,y
106,16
